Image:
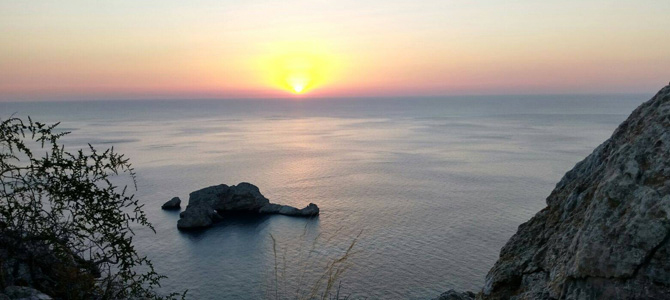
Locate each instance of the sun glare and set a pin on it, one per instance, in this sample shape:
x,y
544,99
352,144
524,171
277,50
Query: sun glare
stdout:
x,y
298,69
298,88
297,83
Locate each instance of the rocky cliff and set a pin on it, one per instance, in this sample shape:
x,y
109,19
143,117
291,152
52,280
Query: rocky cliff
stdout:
x,y
605,233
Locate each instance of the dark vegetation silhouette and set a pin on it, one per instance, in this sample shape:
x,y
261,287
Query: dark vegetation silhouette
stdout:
x,y
66,224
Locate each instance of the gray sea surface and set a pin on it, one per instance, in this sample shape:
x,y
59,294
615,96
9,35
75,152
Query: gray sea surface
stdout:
x,y
434,185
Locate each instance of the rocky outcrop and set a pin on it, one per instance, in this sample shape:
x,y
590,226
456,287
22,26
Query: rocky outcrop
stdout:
x,y
206,206
454,295
605,233
172,204
30,261
23,293
199,216
308,211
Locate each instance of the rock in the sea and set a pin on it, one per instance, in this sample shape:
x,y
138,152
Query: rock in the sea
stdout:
x,y
605,233
206,205
309,211
241,197
24,293
197,216
174,203
454,295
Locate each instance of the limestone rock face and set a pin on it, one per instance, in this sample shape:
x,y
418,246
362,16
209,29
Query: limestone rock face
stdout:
x,y
206,205
605,233
174,203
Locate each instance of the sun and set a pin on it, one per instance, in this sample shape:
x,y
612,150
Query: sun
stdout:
x,y
299,72
298,88
298,82
298,69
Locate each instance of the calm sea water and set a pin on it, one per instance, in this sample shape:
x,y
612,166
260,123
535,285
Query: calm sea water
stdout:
x,y
435,185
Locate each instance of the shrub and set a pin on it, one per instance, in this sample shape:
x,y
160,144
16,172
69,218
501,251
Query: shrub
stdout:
x,y
66,228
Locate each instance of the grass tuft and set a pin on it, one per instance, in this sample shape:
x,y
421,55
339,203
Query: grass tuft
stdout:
x,y
319,273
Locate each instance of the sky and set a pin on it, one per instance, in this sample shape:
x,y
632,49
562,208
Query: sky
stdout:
x,y
62,50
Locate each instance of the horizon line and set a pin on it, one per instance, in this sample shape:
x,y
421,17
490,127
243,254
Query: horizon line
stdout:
x,y
304,98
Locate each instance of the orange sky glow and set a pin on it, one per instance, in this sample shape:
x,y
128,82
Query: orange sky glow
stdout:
x,y
295,48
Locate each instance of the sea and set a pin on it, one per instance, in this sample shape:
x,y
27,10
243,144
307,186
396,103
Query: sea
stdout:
x,y
417,194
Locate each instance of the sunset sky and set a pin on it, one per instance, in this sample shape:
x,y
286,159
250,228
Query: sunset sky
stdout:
x,y
55,50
